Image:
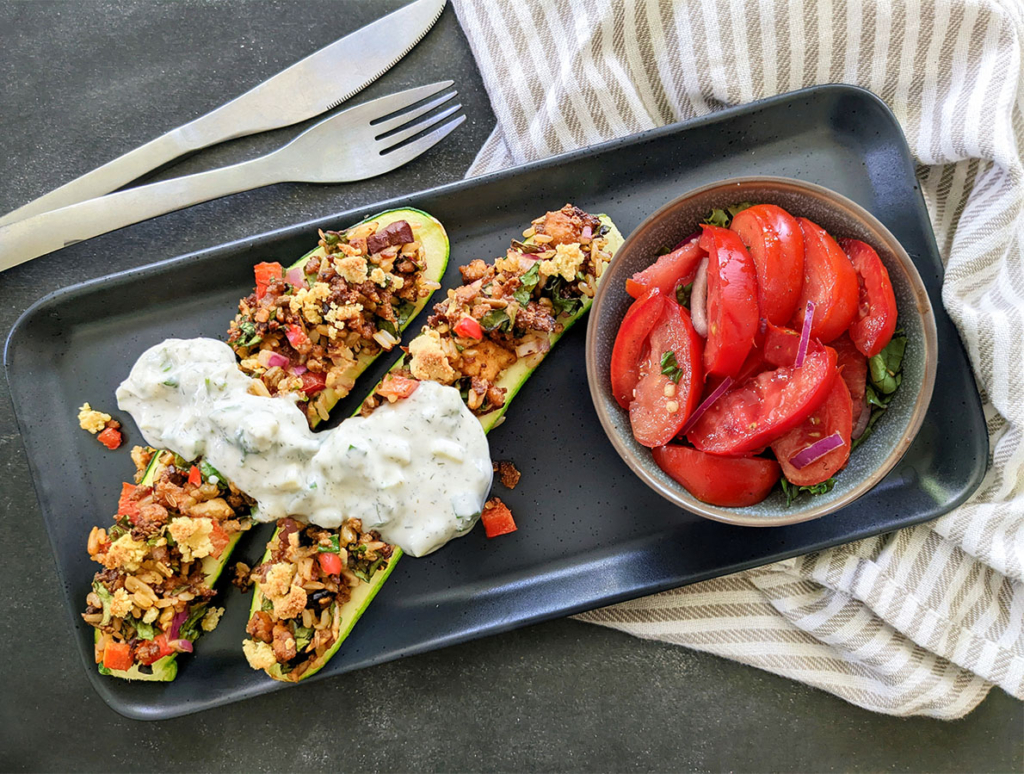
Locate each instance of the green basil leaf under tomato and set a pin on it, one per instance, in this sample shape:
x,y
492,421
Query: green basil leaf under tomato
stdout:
x,y
496,320
792,491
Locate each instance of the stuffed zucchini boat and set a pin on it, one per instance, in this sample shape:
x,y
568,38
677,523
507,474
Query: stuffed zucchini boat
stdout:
x,y
311,329
174,531
486,338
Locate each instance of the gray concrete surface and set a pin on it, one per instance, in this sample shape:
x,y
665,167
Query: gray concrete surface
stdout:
x,y
81,82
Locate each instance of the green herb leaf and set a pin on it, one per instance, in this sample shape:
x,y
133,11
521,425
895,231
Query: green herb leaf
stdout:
x,y
170,383
266,605
190,629
387,325
143,630
792,491
212,475
683,295
527,283
723,217
496,320
249,336
405,313
303,636
886,367
333,548
669,366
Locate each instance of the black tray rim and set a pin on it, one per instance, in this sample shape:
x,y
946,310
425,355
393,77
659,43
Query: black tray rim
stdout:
x,y
546,614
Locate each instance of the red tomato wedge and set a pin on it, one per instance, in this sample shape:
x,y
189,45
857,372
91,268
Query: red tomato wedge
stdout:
x,y
834,415
195,476
755,412
830,281
669,270
732,301
661,404
126,506
776,244
630,342
731,482
875,321
329,563
312,383
853,367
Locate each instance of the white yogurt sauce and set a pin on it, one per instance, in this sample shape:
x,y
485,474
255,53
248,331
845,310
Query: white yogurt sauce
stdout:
x,y
418,470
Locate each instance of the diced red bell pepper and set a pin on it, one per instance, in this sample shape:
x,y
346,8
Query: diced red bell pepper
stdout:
x,y
397,387
195,478
296,336
117,655
312,383
126,506
264,273
329,563
219,539
111,438
469,328
497,519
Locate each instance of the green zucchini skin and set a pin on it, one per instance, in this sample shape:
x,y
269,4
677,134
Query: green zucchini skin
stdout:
x,y
512,380
429,231
166,669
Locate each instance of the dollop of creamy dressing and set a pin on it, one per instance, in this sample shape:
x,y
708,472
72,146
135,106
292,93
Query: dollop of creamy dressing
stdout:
x,y
418,470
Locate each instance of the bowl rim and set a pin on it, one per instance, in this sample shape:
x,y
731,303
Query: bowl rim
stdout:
x,y
737,516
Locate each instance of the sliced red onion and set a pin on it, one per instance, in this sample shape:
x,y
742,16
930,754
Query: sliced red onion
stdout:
x,y
270,359
587,231
299,370
862,421
176,622
686,241
710,399
182,646
817,450
699,299
805,335
295,277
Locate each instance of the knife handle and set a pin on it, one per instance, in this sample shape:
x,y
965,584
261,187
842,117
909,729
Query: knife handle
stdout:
x,y
41,234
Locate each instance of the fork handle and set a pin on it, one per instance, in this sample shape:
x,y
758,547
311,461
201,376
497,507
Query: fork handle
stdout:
x,y
41,234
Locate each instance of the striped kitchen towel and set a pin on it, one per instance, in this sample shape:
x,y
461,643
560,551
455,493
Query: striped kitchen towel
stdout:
x,y
922,621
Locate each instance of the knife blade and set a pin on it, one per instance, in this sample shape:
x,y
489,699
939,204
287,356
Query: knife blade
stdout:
x,y
320,82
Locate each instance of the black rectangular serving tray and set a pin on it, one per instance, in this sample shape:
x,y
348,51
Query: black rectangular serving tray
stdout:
x,y
590,533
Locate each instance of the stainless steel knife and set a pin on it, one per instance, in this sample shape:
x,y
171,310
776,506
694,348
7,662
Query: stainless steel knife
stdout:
x,y
320,82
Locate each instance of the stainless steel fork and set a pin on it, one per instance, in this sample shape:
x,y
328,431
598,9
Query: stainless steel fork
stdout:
x,y
355,144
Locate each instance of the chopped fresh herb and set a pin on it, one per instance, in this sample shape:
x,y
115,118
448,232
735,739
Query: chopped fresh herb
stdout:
x,y
190,629
723,217
116,531
181,463
405,313
527,283
885,371
527,248
331,237
683,295
562,306
387,325
887,366
303,636
496,320
249,336
143,630
212,475
669,366
266,605
792,491
170,383
333,548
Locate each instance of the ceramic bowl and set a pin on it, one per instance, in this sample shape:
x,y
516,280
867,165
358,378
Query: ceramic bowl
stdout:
x,y
894,432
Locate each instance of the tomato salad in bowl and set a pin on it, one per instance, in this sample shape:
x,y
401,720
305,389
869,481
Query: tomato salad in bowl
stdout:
x,y
757,353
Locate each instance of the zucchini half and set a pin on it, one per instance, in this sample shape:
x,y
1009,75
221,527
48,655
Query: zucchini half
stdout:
x,y
431,234
166,668
512,380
